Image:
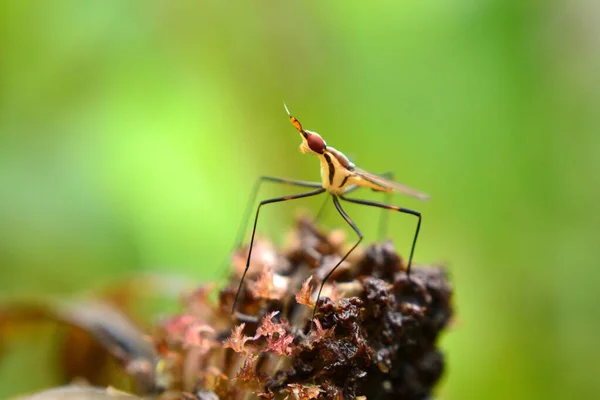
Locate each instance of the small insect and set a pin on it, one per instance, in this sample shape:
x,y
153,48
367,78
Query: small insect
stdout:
x,y
339,177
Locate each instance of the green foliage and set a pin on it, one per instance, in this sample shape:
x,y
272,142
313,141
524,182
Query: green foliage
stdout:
x,y
132,132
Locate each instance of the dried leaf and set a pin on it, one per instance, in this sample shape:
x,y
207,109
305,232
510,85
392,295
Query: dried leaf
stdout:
x,y
282,345
303,297
237,339
268,327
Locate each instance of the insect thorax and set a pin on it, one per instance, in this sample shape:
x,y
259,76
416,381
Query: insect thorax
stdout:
x,y
334,177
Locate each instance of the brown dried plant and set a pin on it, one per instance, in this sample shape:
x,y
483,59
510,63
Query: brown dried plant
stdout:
x,y
374,334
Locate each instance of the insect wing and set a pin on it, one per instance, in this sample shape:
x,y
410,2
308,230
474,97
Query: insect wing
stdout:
x,y
390,184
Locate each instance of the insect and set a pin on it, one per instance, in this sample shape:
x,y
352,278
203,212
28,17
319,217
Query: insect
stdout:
x,y
339,177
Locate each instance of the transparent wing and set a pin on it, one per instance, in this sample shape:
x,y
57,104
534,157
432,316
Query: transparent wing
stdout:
x,y
390,184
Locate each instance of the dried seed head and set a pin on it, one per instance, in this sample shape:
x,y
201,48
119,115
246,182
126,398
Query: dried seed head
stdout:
x,y
374,334
303,296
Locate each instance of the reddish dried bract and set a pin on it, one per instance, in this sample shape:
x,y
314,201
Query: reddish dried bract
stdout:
x,y
237,340
278,341
281,345
268,327
303,296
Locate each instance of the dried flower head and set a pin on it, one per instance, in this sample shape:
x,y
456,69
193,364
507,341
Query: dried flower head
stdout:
x,y
374,332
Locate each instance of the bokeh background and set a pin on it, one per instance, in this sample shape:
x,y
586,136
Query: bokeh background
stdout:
x,y
131,133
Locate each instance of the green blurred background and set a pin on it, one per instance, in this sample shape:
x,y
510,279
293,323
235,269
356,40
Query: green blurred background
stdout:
x,y
131,133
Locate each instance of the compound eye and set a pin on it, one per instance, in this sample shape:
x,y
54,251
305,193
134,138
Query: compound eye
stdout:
x,y
316,143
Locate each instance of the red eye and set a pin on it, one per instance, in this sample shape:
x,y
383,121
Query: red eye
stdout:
x,y
316,143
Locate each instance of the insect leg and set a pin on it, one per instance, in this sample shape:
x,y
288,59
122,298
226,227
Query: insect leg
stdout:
x,y
246,216
322,210
262,203
383,218
394,208
254,193
338,206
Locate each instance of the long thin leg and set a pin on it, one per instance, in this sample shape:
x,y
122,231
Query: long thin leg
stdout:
x,y
338,206
246,216
262,203
383,220
350,189
394,208
254,193
321,210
